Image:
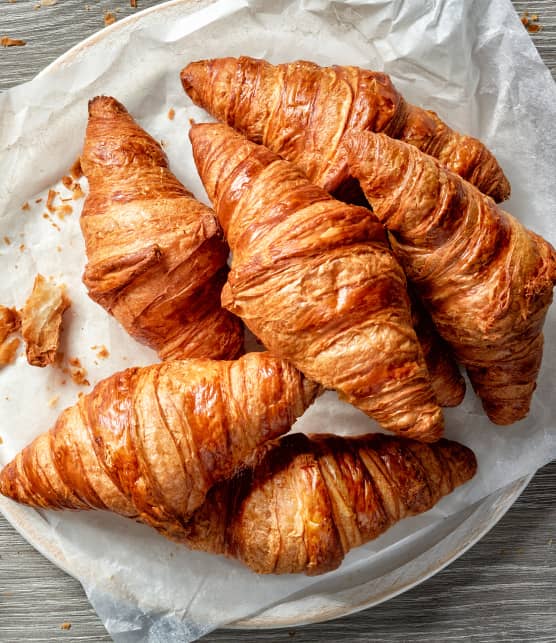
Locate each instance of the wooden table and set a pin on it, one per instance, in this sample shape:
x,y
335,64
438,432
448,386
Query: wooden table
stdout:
x,y
503,589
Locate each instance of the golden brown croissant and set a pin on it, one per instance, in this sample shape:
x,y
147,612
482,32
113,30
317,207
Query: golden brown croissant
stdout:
x,y
486,280
157,261
315,281
312,499
301,111
446,380
148,443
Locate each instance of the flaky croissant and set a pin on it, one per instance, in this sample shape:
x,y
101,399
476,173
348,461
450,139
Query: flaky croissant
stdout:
x,y
486,280
302,111
148,443
156,257
312,499
446,380
315,280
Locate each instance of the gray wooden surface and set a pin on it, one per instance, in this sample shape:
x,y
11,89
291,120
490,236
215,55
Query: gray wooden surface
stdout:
x,y
503,589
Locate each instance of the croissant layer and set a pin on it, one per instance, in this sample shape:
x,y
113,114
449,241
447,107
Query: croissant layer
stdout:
x,y
302,111
314,279
156,256
148,443
486,280
313,498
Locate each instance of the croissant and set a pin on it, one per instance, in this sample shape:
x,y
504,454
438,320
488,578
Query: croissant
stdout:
x,y
312,499
446,380
486,280
148,443
156,257
315,281
302,111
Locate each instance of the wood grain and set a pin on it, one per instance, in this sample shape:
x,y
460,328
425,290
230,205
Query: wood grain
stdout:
x,y
503,589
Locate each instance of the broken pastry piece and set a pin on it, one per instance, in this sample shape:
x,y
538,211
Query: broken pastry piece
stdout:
x,y
10,322
313,498
156,256
315,280
148,443
485,279
41,320
302,111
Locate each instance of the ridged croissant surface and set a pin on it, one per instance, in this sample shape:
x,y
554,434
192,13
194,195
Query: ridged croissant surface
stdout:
x,y
156,257
446,380
148,443
312,499
315,280
486,280
302,111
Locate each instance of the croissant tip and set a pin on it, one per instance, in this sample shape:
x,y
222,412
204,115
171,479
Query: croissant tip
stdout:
x,y
105,105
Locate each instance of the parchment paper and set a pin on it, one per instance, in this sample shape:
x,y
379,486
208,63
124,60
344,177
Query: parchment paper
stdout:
x,y
472,62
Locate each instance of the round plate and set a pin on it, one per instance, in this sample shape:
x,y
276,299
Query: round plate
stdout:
x,y
407,566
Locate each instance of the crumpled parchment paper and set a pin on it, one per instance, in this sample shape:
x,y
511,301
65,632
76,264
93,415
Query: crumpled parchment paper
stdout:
x,y
471,62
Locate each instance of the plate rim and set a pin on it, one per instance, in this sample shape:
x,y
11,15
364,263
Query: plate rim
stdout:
x,y
26,521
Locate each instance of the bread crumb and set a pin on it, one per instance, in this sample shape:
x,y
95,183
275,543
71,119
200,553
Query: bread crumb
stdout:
x,y
133,4
21,247
1,440
41,321
52,194
77,372
171,113
59,248
67,181
6,41
7,240
53,401
26,206
39,200
77,192
63,211
102,351
65,626
531,23
109,18
8,351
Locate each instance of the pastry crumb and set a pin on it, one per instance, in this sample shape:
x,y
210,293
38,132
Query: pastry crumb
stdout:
x,y
6,41
77,192
52,194
77,372
531,22
26,206
133,4
109,18
39,200
8,351
65,626
171,113
1,440
63,211
53,401
102,351
67,182
21,247
7,240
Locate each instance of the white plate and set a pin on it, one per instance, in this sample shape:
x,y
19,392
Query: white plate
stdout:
x,y
399,569
407,567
